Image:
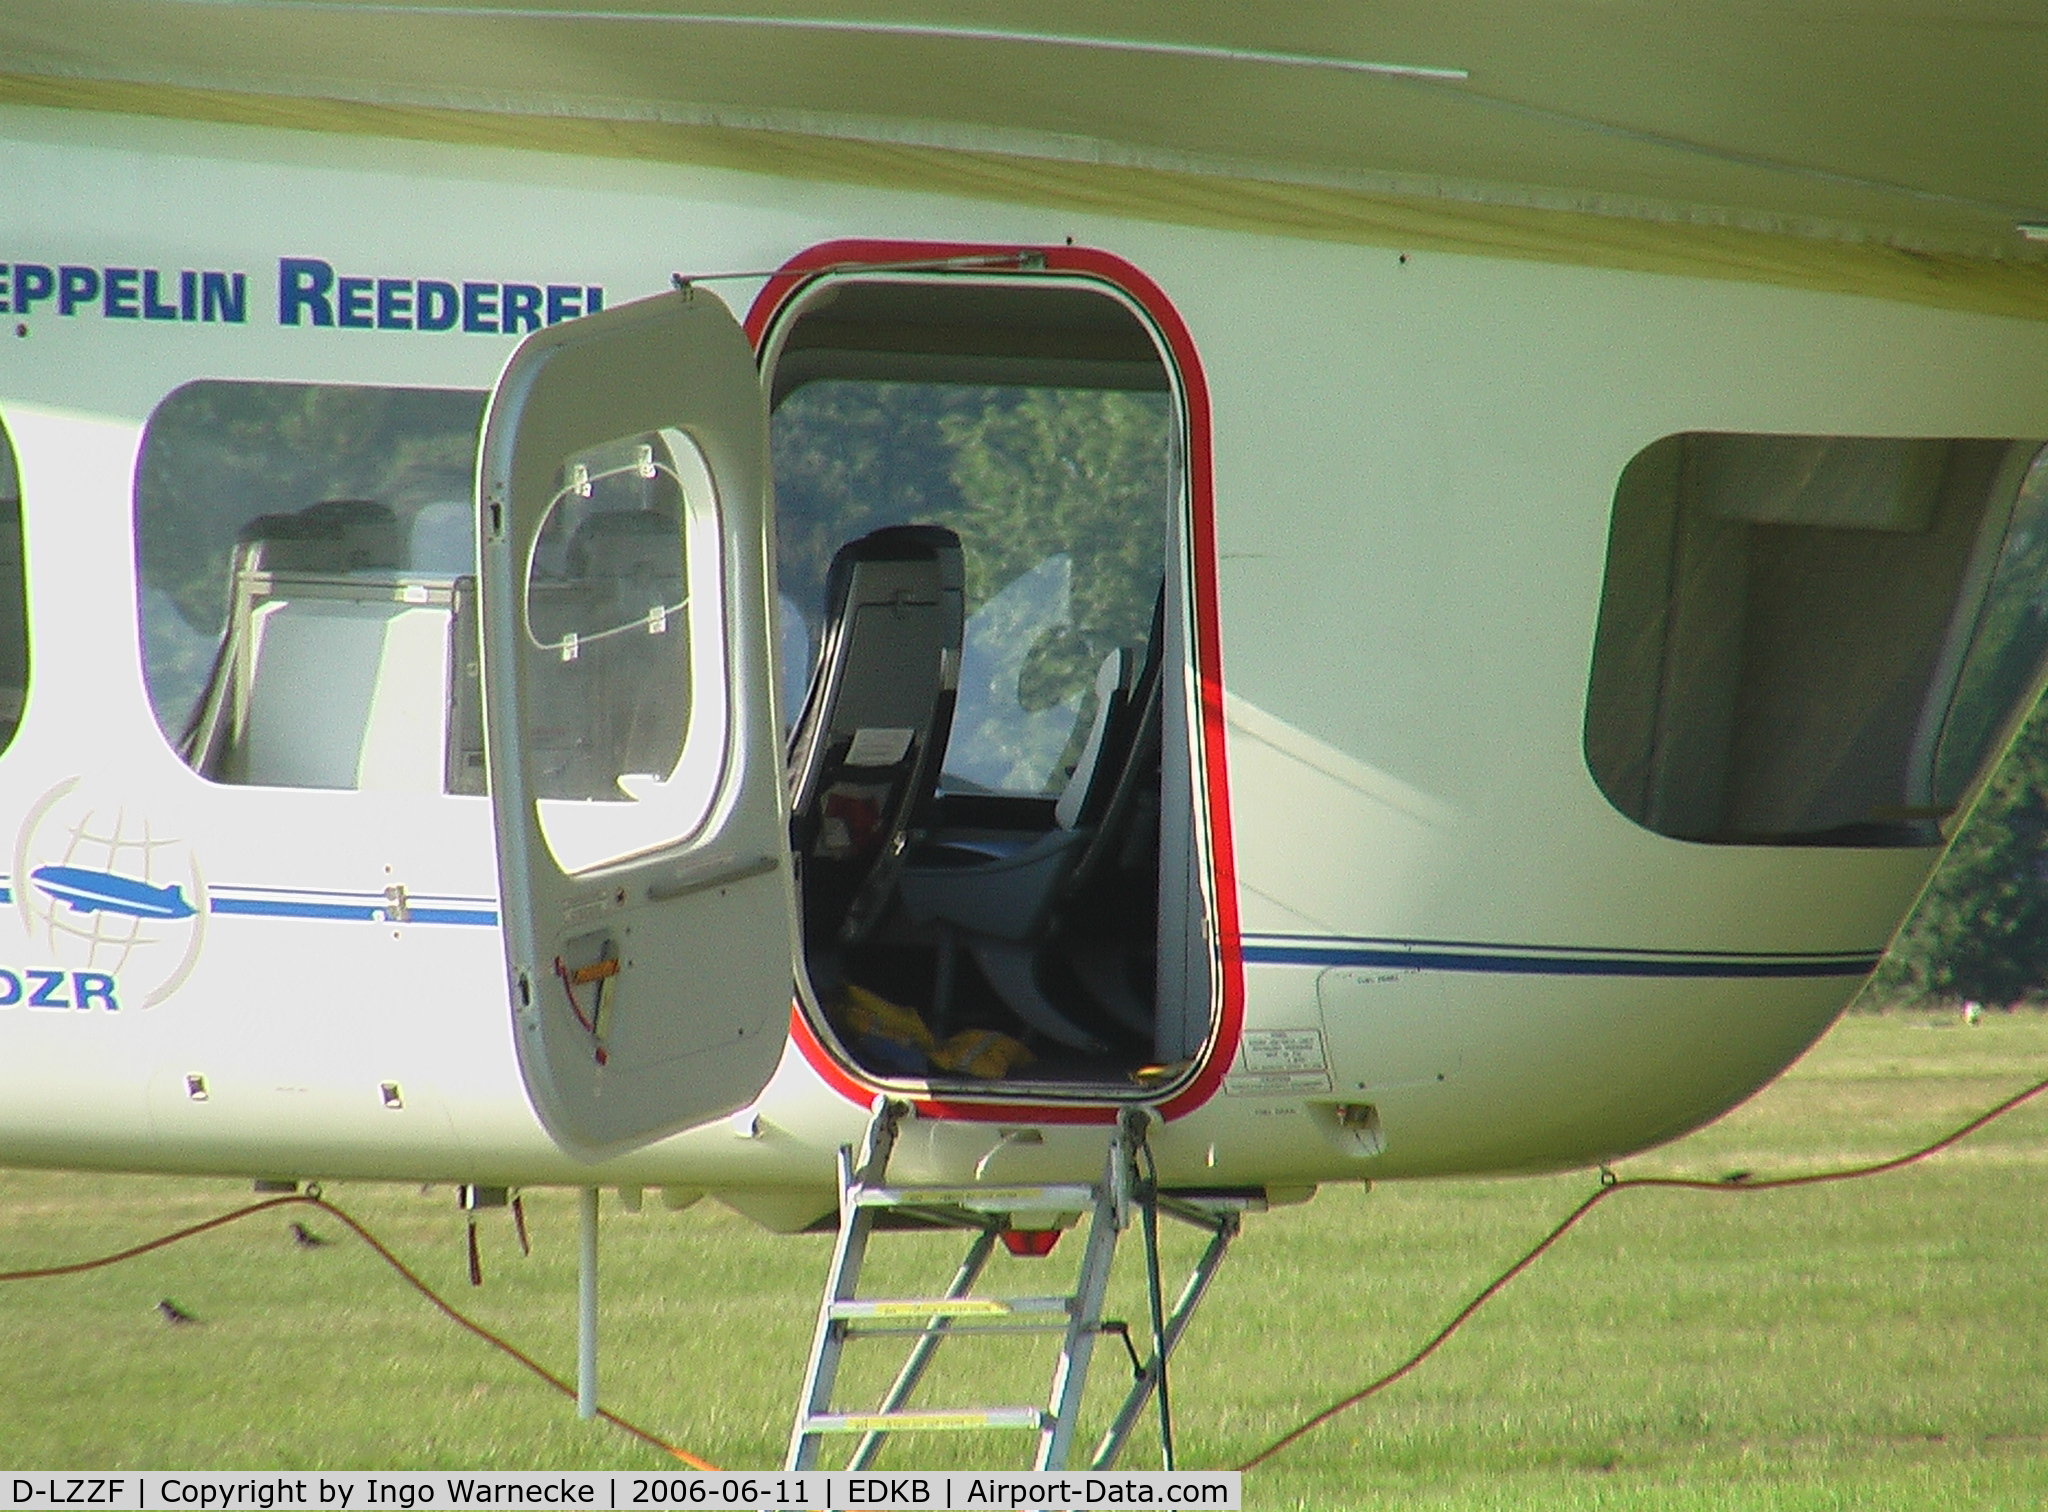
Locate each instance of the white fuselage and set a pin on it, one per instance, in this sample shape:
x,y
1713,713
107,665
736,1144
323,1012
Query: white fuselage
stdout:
x,y
1415,457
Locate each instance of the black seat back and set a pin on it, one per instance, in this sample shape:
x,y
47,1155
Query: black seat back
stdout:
x,y
863,758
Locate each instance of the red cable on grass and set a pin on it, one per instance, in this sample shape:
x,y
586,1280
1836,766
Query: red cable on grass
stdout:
x,y
405,1273
1608,1187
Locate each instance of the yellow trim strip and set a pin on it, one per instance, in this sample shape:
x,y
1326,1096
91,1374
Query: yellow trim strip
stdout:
x,y
926,1422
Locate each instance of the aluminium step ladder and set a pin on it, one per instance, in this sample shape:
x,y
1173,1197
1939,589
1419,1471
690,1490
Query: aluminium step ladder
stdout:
x,y
867,1203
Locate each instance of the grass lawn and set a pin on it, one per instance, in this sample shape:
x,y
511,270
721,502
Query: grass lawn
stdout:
x,y
1877,1344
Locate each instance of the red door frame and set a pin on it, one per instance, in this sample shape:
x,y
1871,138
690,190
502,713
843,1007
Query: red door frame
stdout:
x,y
828,258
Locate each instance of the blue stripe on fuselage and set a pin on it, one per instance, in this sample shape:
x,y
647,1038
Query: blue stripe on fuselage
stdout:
x,y
1547,960
295,908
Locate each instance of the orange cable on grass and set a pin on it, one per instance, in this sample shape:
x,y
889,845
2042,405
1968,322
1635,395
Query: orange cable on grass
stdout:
x,y
1608,1187
1492,1289
405,1273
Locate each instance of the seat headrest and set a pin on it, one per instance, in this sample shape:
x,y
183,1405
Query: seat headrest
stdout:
x,y
896,543
335,535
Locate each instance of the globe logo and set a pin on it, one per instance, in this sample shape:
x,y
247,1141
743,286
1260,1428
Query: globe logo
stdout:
x,y
103,890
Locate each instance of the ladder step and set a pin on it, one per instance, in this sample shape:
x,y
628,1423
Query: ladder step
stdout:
x,y
977,1199
925,1421
950,1307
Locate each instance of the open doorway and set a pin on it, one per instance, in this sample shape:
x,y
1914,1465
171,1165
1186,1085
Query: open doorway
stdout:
x,y
981,577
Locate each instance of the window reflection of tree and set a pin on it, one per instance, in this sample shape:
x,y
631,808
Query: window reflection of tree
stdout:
x,y
216,455
1039,483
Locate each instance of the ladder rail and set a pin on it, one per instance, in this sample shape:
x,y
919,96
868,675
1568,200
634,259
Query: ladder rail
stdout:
x,y
1149,1213
828,1341
849,1251
1091,1289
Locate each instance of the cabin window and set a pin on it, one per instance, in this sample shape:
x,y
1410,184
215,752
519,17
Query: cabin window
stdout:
x,y
1816,640
13,598
307,587
982,585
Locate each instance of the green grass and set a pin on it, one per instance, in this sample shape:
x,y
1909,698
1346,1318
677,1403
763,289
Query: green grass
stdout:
x,y
1877,1344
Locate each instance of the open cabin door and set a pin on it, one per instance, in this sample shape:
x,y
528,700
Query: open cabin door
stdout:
x,y
642,850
